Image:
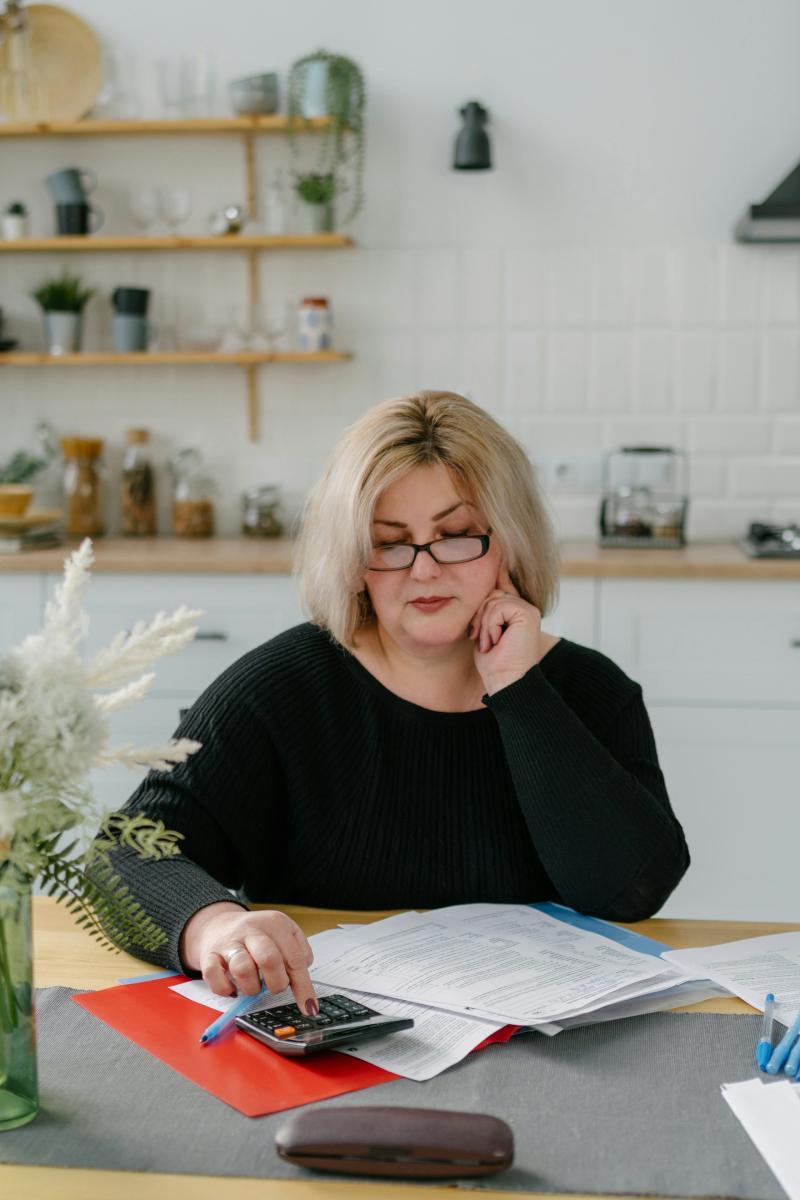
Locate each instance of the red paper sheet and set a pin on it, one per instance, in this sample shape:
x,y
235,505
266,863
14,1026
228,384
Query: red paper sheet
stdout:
x,y
237,1068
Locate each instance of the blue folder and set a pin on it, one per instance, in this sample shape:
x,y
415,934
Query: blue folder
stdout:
x,y
634,941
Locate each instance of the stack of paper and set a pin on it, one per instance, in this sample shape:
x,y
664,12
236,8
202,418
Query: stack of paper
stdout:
x,y
500,962
475,972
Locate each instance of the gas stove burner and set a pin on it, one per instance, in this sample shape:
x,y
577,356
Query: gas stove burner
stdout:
x,y
771,541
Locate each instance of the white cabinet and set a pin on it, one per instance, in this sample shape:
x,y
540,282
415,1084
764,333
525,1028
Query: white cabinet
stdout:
x,y
575,615
238,613
719,662
21,607
705,641
732,776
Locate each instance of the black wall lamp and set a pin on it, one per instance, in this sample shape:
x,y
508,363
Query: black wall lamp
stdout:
x,y
473,152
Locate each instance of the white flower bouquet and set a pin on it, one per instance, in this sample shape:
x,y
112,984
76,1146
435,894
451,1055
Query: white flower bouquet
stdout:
x,y
54,728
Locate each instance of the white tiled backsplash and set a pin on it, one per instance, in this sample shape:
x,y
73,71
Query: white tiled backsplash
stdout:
x,y
576,349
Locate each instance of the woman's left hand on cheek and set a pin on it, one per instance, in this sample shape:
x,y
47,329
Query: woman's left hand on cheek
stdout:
x,y
506,631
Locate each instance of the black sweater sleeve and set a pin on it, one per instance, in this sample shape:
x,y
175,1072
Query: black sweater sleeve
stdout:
x,y
222,798
597,810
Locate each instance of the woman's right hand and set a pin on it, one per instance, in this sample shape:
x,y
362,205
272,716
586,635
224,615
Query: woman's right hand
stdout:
x,y
236,948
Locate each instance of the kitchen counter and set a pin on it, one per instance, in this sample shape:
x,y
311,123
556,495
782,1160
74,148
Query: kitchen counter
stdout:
x,y
245,556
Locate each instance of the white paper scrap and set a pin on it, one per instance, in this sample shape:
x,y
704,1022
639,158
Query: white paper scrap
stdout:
x,y
770,1113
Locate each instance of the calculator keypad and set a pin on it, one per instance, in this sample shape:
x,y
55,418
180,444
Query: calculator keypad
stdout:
x,y
333,1010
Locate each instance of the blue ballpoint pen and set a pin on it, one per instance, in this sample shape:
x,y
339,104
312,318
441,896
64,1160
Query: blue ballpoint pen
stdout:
x,y
781,1052
764,1047
236,1009
792,1063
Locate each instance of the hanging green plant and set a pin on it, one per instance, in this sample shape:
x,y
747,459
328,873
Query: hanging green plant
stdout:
x,y
341,144
315,189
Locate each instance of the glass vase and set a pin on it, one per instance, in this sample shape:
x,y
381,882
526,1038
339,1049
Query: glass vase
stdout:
x,y
19,1097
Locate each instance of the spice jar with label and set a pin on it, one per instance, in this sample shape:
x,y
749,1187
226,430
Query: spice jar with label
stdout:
x,y
83,495
261,512
192,505
314,323
138,491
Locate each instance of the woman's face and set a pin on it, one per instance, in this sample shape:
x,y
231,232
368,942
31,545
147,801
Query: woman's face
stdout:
x,y
429,604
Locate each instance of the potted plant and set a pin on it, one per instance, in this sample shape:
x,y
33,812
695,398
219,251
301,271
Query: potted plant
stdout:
x,y
63,300
15,222
332,86
15,490
317,192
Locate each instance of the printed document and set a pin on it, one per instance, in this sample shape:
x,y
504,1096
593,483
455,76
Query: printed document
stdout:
x,y
508,963
437,1041
750,968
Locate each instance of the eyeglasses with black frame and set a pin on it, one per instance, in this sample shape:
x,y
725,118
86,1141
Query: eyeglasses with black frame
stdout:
x,y
447,552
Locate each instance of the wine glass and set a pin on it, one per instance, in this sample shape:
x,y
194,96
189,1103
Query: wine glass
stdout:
x,y
275,323
236,333
143,207
174,205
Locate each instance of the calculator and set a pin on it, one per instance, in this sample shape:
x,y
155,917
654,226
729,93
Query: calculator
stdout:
x,y
341,1022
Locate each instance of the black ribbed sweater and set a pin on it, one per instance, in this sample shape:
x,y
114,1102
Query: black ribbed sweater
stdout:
x,y
317,785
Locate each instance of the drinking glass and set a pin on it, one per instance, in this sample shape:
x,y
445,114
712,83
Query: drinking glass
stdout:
x,y
143,207
275,323
174,204
236,333
199,84
170,86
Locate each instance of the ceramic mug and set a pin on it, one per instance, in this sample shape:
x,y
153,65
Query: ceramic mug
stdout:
x,y
131,300
132,332
78,218
71,185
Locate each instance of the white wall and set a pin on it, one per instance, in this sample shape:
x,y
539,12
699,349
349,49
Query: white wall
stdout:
x,y
587,291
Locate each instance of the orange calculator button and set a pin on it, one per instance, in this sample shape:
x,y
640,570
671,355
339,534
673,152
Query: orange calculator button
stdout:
x,y
285,1031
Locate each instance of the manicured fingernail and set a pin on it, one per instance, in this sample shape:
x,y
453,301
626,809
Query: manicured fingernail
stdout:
x,y
469,631
312,1008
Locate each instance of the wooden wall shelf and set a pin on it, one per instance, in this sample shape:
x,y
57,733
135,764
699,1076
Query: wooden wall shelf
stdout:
x,y
250,360
155,358
198,125
246,128
253,241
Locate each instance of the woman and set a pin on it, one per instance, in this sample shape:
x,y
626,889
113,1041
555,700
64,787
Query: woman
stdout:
x,y
422,741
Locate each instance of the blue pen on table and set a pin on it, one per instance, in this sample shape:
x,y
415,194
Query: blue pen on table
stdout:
x,y
792,1064
782,1050
236,1009
764,1047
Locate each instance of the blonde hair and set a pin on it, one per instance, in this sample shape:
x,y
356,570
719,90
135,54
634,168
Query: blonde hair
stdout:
x,y
386,443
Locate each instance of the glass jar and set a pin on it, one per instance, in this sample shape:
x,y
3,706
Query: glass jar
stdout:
x,y
138,490
192,504
314,324
83,495
19,1097
261,512
630,512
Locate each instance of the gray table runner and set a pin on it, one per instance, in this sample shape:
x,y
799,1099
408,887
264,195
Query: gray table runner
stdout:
x,y
630,1106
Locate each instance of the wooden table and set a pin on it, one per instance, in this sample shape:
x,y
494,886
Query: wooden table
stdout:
x,y
67,956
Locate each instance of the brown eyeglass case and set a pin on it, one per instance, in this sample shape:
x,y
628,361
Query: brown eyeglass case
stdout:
x,y
420,1143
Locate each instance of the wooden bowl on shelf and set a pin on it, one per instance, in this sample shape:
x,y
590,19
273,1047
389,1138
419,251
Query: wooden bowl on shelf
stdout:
x,y
15,499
